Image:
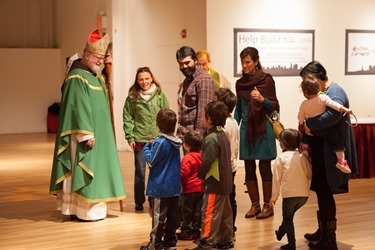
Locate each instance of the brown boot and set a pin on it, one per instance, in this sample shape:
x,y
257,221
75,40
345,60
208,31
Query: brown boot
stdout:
x,y
252,190
267,210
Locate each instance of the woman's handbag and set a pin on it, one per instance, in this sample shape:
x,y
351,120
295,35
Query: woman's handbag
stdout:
x,y
276,123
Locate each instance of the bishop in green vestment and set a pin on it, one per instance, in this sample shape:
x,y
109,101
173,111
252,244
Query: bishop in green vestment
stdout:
x,y
86,171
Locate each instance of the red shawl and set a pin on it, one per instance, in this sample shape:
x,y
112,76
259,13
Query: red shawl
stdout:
x,y
256,116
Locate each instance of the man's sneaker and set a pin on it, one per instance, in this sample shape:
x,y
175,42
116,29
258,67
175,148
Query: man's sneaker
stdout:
x,y
343,166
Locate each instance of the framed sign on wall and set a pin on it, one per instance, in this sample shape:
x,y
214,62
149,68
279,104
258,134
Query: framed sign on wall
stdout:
x,y
281,52
360,52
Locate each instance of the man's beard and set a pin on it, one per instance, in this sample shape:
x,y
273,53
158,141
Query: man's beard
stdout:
x,y
189,71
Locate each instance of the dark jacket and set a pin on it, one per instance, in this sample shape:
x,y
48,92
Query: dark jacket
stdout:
x,y
325,159
216,168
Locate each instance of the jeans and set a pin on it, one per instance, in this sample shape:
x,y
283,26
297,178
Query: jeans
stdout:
x,y
139,177
290,206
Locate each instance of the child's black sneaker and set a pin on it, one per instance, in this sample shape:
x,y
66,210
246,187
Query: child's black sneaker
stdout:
x,y
288,247
149,247
279,235
228,245
202,244
196,234
185,235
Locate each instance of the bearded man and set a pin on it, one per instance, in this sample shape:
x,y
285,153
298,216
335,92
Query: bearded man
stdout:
x,y
86,171
196,91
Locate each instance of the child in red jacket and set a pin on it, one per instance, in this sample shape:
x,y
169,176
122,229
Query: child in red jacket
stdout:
x,y
192,187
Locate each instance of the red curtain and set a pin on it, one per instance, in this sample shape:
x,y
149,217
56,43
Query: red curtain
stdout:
x,y
365,143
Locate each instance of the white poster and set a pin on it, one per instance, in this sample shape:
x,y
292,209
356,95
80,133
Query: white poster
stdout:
x,y
281,52
360,52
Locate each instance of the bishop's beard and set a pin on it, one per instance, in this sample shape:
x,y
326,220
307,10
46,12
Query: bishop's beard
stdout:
x,y
97,69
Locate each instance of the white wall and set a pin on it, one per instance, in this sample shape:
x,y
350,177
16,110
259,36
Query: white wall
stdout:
x,y
30,82
74,22
32,78
147,33
329,19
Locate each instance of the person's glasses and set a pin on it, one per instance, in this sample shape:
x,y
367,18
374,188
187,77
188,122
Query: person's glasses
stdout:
x,y
99,58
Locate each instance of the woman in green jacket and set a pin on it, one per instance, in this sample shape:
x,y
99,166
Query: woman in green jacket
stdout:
x,y
143,103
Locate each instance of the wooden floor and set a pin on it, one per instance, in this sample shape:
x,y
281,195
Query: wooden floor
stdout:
x,y
28,219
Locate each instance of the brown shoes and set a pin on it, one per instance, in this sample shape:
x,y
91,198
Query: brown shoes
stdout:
x,y
266,212
254,211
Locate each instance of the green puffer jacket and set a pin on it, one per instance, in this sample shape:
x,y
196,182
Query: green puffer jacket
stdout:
x,y
139,116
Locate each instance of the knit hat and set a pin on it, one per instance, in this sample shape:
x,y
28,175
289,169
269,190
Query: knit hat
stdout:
x,y
96,43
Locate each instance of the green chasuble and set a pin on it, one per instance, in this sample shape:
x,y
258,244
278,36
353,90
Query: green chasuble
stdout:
x,y
85,110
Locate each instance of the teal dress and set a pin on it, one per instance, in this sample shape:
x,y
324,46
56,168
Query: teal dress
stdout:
x,y
257,140
262,149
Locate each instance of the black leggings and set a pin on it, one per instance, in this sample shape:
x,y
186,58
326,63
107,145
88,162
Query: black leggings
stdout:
x,y
264,169
326,201
326,204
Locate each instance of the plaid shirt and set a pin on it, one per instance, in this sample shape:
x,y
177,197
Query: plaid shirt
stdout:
x,y
196,93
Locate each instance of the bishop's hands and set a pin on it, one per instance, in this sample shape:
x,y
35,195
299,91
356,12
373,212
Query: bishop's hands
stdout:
x,y
90,142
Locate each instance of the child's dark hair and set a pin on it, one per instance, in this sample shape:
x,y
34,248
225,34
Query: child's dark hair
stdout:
x,y
226,96
217,112
310,86
194,140
291,138
166,121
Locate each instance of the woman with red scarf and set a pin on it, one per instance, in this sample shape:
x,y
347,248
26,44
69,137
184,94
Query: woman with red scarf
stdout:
x,y
256,97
